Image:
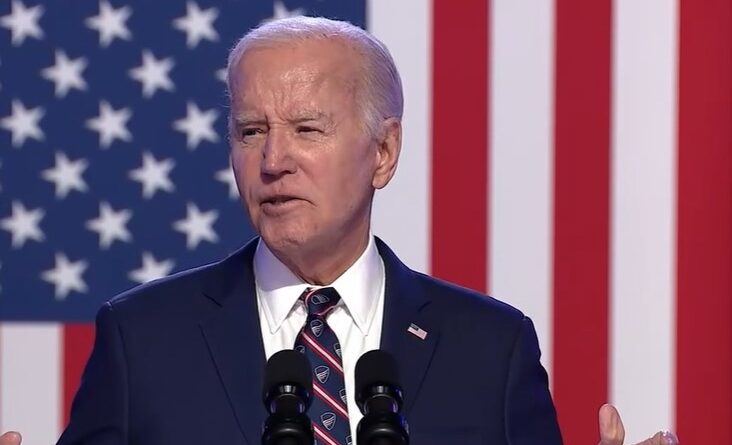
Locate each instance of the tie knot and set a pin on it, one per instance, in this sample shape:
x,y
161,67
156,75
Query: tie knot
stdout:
x,y
319,301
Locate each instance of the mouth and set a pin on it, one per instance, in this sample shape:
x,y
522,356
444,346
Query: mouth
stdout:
x,y
278,204
278,200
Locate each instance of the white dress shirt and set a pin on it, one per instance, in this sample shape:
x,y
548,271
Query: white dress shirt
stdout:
x,y
356,319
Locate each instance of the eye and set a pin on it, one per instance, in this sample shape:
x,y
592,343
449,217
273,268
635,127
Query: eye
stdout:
x,y
249,132
307,129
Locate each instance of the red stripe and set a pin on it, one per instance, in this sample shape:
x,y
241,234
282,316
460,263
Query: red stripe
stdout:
x,y
308,295
324,436
78,339
327,398
581,220
1,373
704,315
307,302
459,142
322,352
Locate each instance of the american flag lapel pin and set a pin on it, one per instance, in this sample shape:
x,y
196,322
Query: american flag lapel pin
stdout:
x,y
417,331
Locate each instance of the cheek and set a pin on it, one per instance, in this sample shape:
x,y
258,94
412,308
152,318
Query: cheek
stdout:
x,y
246,173
348,185
245,165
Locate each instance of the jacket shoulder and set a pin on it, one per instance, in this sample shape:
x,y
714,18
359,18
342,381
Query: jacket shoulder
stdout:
x,y
469,307
182,293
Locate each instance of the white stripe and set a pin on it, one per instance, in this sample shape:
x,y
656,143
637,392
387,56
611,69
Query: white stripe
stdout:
x,y
30,380
325,353
323,435
521,128
643,214
333,404
401,214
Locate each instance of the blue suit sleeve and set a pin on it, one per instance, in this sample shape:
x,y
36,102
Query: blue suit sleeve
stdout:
x,y
99,413
530,415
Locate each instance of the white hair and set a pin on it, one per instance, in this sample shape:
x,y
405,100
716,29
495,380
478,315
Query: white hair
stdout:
x,y
380,89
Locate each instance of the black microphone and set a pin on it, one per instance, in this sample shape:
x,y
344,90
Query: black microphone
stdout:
x,y
379,397
287,391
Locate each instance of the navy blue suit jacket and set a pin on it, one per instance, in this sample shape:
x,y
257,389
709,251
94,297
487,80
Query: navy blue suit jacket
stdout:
x,y
180,361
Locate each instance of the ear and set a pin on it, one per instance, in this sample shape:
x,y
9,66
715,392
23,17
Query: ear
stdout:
x,y
388,149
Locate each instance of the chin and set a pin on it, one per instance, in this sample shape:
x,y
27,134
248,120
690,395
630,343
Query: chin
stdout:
x,y
281,240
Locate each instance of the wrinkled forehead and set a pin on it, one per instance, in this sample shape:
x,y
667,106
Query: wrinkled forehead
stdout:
x,y
295,71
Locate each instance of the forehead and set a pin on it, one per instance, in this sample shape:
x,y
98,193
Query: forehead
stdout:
x,y
295,71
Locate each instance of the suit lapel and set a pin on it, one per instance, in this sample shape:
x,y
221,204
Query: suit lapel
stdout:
x,y
406,304
234,336
234,340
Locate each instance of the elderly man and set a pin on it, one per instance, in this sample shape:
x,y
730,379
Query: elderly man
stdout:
x,y
315,129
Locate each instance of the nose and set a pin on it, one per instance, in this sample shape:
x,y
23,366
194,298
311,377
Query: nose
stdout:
x,y
277,154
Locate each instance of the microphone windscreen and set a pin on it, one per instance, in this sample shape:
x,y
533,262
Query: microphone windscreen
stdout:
x,y
376,367
288,367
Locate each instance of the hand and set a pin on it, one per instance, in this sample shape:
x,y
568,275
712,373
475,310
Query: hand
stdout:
x,y
612,431
10,438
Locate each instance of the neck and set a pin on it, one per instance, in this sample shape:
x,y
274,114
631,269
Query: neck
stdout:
x,y
322,266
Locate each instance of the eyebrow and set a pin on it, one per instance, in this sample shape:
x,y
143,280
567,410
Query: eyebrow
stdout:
x,y
309,116
296,118
246,119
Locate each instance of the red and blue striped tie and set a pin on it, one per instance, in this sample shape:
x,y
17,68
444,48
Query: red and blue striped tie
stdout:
x,y
329,411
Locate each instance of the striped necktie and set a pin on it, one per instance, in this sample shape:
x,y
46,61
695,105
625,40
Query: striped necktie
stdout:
x,y
329,410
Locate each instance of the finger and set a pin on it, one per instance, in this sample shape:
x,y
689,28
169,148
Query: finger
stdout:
x,y
669,438
612,431
661,438
657,439
10,438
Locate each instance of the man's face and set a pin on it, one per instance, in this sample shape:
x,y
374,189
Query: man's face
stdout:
x,y
303,161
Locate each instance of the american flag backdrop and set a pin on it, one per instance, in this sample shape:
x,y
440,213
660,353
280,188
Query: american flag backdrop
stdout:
x,y
571,157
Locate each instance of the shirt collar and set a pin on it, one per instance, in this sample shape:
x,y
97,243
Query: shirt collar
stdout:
x,y
360,286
